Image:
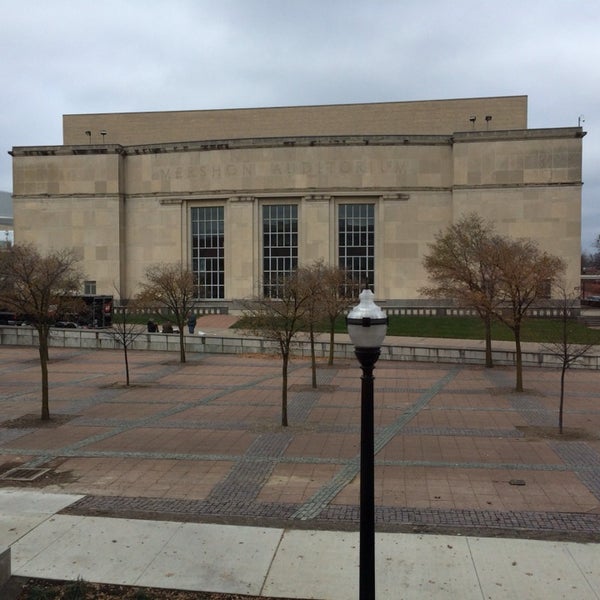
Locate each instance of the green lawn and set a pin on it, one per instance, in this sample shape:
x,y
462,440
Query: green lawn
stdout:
x,y
471,328
467,328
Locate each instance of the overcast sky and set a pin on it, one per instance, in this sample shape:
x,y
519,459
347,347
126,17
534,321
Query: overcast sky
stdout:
x,y
85,56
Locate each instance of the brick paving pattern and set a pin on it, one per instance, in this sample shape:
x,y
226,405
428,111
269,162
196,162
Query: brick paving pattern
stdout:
x,y
456,448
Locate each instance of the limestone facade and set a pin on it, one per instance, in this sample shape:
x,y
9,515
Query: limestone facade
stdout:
x,y
126,198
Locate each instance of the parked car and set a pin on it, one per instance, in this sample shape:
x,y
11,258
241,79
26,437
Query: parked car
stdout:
x,y
10,318
66,325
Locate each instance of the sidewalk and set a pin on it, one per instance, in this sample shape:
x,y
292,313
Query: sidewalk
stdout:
x,y
186,479
285,563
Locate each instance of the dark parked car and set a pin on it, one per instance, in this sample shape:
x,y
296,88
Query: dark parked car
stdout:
x,y
10,318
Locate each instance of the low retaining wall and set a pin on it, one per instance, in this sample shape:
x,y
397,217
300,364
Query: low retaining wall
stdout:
x,y
168,342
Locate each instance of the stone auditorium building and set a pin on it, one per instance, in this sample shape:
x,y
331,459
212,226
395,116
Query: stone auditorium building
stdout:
x,y
242,196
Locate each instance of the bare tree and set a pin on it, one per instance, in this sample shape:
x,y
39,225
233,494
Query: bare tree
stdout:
x,y
525,275
171,286
596,255
41,288
310,279
460,267
587,261
563,348
280,320
124,332
338,292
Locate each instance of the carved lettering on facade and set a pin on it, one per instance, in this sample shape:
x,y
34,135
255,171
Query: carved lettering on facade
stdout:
x,y
287,168
398,167
209,171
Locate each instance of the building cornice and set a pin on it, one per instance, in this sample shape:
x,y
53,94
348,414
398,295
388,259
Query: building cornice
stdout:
x,y
304,141
386,194
518,134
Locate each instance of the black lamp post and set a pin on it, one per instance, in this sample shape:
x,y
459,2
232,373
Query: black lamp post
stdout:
x,y
367,326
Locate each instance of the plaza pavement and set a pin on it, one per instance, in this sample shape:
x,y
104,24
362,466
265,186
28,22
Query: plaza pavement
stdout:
x,y
187,480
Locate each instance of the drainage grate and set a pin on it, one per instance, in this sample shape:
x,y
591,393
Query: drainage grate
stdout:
x,y
23,474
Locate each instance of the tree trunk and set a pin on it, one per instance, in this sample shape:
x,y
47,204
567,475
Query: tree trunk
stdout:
x,y
181,344
562,398
45,333
43,348
126,363
331,341
313,358
487,322
519,358
285,355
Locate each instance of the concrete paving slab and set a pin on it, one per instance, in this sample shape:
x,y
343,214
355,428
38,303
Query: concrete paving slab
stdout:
x,y
14,527
587,557
315,564
324,564
94,548
41,541
432,566
216,558
20,502
529,570
23,510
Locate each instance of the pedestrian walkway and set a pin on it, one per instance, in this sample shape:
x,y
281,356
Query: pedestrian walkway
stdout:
x,y
283,562
191,463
